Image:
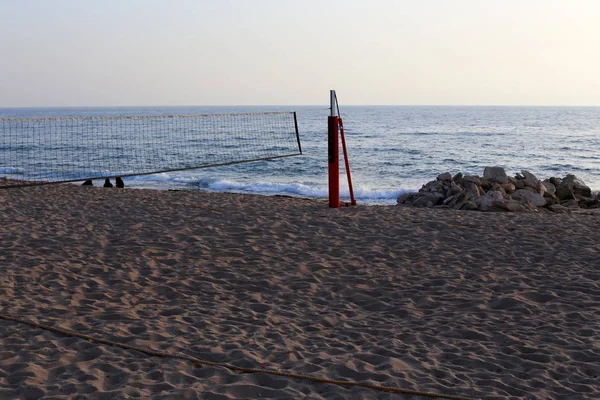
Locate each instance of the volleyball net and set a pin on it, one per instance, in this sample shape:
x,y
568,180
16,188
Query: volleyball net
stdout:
x,y
36,151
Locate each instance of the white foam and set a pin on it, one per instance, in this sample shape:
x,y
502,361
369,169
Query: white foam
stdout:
x,y
311,189
301,189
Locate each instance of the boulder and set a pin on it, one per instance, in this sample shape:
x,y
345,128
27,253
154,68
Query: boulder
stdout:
x,y
492,192
499,188
496,195
525,195
508,205
469,205
529,182
515,206
564,192
572,203
472,178
453,190
407,198
433,186
459,200
426,200
555,181
580,188
471,187
550,188
540,188
509,187
486,184
529,175
589,202
572,188
484,203
495,174
448,200
550,200
557,208
446,176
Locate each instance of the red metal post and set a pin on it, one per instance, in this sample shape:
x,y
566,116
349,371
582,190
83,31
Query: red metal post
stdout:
x,y
334,161
348,175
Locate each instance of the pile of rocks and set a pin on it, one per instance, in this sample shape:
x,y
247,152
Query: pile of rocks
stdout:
x,y
496,191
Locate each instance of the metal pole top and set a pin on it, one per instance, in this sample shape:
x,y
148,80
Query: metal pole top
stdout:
x,y
333,103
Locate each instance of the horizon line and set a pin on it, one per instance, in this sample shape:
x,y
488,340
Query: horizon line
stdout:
x,y
326,106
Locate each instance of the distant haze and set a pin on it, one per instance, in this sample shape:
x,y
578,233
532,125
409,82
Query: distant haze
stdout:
x,y
283,52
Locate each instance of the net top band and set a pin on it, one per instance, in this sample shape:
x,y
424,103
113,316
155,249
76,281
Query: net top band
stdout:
x,y
120,117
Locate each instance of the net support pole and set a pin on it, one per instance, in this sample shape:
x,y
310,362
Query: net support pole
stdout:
x,y
348,175
333,154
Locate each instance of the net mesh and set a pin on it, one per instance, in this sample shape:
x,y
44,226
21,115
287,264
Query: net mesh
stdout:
x,y
52,150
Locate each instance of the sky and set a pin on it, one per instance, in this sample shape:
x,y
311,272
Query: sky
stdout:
x,y
59,53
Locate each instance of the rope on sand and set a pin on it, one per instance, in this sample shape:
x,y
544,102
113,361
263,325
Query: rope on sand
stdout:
x,y
198,361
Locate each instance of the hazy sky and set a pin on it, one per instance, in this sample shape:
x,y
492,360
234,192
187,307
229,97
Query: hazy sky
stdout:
x,y
284,52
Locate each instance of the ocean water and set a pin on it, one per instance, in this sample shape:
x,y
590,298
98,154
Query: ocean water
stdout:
x,y
392,149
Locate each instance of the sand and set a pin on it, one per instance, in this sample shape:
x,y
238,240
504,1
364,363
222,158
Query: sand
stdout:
x,y
482,305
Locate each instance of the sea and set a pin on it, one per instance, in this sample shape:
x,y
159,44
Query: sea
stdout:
x,y
391,149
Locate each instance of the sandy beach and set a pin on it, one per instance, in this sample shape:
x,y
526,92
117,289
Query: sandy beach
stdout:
x,y
479,305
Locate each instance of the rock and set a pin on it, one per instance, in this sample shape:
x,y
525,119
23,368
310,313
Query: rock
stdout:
x,y
495,174
446,176
528,196
524,192
580,188
425,200
448,200
529,182
508,187
453,190
459,200
405,198
589,202
557,208
551,200
529,207
485,184
529,189
498,188
469,205
472,178
436,188
471,187
564,192
496,195
540,187
572,203
513,206
529,175
550,188
484,203
572,188
555,181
